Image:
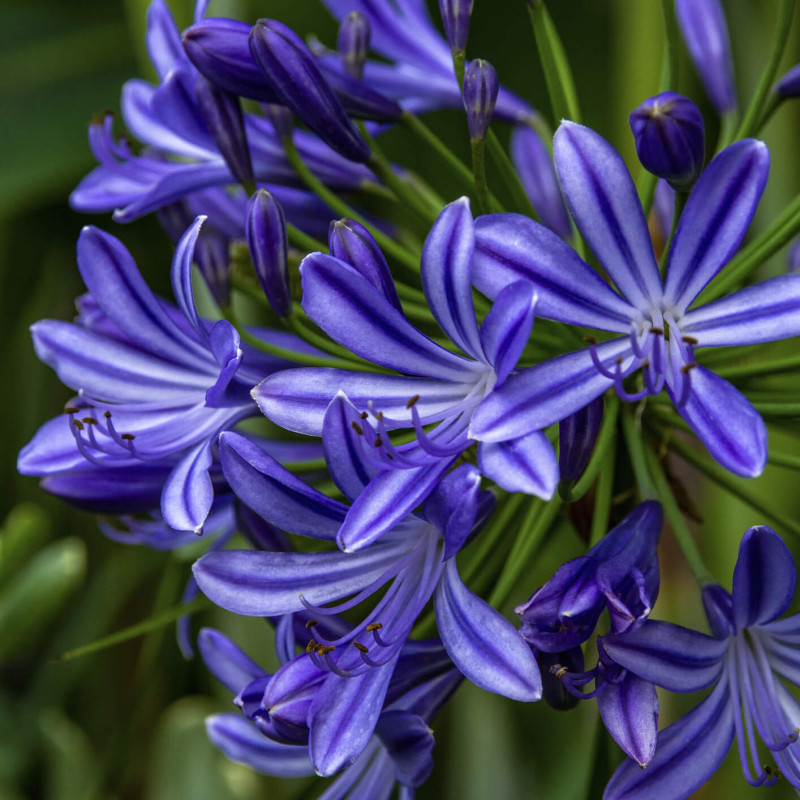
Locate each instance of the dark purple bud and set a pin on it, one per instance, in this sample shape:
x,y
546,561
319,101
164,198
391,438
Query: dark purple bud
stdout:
x,y
353,43
292,71
211,257
288,698
175,218
670,138
789,85
351,242
222,115
718,606
551,666
265,230
576,437
281,118
480,95
455,16
535,168
705,32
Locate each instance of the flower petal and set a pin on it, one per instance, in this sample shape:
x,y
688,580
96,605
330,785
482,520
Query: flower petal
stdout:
x,y
188,492
226,662
510,247
629,710
765,312
764,580
726,423
447,275
453,507
482,643
715,219
605,206
527,464
676,658
409,742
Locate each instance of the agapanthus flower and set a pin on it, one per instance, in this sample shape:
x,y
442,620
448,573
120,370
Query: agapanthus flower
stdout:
x,y
661,331
356,304
156,384
398,752
746,661
414,562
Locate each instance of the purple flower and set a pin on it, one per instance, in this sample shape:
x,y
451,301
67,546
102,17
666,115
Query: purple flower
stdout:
x,y
353,304
392,727
660,330
352,43
789,85
480,96
748,658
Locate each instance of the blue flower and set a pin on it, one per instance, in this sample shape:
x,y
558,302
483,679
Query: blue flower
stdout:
x,y
746,661
660,330
356,304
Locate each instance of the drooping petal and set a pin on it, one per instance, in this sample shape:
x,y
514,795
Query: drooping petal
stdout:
x,y
507,327
181,276
765,312
630,713
715,219
511,247
241,741
676,658
603,202
409,742
226,662
453,507
275,493
269,584
482,643
188,492
577,435
390,497
352,312
539,396
726,423
297,399
688,753
764,579
163,39
343,717
447,275
527,464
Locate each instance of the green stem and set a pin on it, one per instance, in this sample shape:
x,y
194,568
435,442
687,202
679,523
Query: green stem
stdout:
x,y
672,52
680,202
646,189
302,241
487,540
786,460
637,450
141,628
773,367
557,73
770,107
602,498
479,173
777,409
534,526
605,444
335,203
727,129
459,66
750,123
676,521
510,176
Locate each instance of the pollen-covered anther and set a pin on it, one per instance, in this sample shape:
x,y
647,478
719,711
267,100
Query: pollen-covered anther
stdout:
x,y
129,437
688,367
559,671
107,414
324,649
412,401
71,410
794,735
364,414
312,644
357,428
590,339
311,623
690,340
360,647
374,626
378,441
657,331
78,424
89,421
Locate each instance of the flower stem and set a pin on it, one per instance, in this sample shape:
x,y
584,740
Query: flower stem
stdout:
x,y
302,241
672,51
680,202
479,173
602,497
510,176
637,450
760,367
676,521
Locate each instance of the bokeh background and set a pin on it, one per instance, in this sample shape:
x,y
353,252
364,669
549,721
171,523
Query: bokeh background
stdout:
x,y
127,722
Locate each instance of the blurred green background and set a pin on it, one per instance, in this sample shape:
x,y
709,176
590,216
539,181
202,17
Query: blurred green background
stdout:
x,y
127,722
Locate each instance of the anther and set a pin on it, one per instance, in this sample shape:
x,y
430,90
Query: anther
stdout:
x,y
590,339
690,340
645,364
324,649
362,648
311,623
657,331
767,769
373,626
127,436
89,420
107,414
688,367
413,400
311,645
357,428
561,672
379,415
78,424
378,441
71,410
364,414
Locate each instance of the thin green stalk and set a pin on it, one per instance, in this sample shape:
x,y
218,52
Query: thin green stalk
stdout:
x,y
602,498
750,123
459,66
676,521
478,147
738,487
534,526
302,241
728,122
557,73
637,450
770,107
335,203
672,51
510,176
487,539
646,189
777,409
753,370
141,628
680,202
786,460
604,446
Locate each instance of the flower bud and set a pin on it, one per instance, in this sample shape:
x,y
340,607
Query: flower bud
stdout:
x,y
222,115
789,85
705,32
480,95
281,118
576,436
265,230
211,257
353,43
538,176
455,16
669,134
718,606
292,71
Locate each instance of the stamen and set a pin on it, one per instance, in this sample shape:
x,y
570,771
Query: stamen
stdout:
x,y
373,626
311,623
378,441
71,410
128,437
312,644
690,340
89,420
360,647
657,331
364,414
78,424
357,428
412,401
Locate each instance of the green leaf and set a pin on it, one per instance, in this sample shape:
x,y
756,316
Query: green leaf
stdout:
x,y
25,530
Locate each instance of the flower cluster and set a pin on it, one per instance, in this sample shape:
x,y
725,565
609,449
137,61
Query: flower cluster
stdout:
x,y
378,420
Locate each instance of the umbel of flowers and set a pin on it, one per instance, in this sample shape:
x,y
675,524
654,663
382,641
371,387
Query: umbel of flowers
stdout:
x,y
423,397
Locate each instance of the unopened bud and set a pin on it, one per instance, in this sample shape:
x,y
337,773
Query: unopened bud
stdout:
x,y
266,237
455,16
480,95
353,43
